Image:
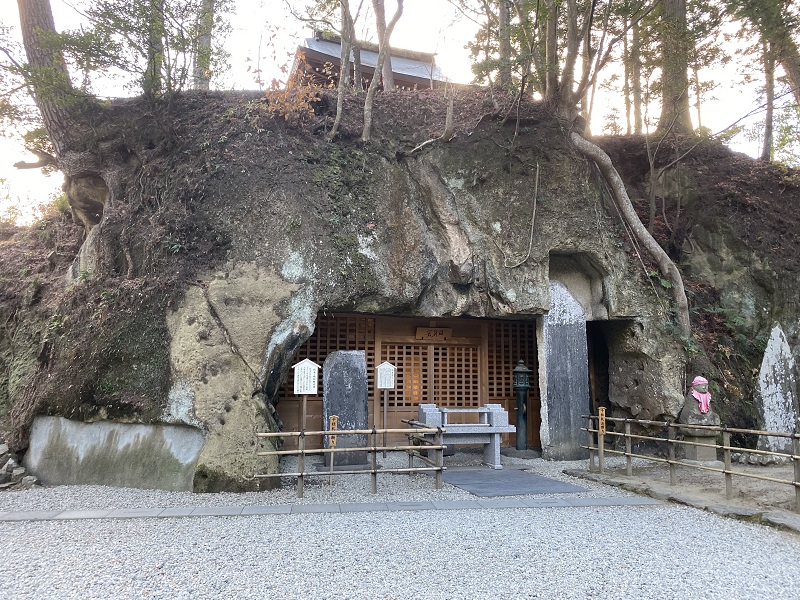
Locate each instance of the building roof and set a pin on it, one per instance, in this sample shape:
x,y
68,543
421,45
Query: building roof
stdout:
x,y
412,64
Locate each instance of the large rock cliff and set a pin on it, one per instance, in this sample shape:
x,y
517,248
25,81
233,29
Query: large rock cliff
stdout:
x,y
238,223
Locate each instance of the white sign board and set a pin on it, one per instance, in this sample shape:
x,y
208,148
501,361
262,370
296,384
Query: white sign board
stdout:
x,y
306,375
385,376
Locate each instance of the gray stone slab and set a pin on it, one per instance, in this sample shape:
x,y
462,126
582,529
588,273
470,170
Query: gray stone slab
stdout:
x,y
178,511
782,519
281,509
505,503
735,512
456,504
82,514
612,501
410,505
217,511
315,508
364,507
133,513
544,502
346,395
490,483
65,452
29,515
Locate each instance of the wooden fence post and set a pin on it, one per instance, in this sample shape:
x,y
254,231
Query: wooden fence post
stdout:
x,y
439,454
673,479
301,463
374,475
726,442
591,443
628,449
796,459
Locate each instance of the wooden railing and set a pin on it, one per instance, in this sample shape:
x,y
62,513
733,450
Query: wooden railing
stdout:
x,y
597,429
416,442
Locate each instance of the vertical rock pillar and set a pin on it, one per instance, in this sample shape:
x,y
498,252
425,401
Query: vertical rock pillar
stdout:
x,y
564,366
775,396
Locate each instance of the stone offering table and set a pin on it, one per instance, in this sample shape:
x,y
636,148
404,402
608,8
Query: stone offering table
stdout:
x,y
492,423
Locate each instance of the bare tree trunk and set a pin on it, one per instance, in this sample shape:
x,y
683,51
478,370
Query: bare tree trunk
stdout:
x,y
696,77
344,67
626,87
636,59
201,73
551,52
504,26
769,75
380,21
152,82
675,64
665,264
373,85
53,91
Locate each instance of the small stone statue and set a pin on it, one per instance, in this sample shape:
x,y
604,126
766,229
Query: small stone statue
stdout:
x,y
701,394
697,411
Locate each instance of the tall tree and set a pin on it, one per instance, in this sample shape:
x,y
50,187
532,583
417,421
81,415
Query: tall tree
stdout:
x,y
380,23
54,94
675,63
202,54
769,88
504,33
152,82
777,20
383,52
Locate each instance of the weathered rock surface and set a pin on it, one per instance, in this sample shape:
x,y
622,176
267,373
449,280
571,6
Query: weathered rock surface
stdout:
x,y
271,225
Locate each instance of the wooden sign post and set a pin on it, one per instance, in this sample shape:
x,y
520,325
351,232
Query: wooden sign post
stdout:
x,y
306,379
386,372
333,425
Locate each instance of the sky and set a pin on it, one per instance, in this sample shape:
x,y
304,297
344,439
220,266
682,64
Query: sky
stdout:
x,y
264,34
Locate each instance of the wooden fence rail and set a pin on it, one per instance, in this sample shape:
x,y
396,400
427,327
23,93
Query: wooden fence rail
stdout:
x,y
416,443
597,427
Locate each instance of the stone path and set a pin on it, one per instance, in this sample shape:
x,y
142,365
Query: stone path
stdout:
x,y
285,509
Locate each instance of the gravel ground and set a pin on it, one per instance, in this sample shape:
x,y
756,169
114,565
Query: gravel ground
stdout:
x,y
346,488
665,551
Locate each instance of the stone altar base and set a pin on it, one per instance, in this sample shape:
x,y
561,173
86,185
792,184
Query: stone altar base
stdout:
x,y
699,453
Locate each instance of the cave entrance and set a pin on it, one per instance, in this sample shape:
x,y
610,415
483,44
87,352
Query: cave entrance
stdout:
x,y
471,368
597,343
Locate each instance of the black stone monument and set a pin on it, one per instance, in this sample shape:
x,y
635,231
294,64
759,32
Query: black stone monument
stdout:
x,y
344,384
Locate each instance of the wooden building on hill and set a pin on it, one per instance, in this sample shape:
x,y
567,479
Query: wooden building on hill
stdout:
x,y
317,63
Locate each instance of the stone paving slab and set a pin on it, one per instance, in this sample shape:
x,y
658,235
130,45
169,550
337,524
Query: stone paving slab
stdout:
x,y
364,507
133,513
178,511
455,504
410,505
614,501
315,508
281,509
507,503
544,502
217,511
82,514
29,515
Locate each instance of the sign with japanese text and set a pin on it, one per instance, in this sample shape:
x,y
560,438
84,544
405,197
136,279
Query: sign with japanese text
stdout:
x,y
306,377
386,371
434,334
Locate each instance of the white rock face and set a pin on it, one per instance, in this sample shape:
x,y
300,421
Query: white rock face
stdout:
x,y
777,402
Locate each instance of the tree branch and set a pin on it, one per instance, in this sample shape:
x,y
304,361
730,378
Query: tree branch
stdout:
x,y
45,160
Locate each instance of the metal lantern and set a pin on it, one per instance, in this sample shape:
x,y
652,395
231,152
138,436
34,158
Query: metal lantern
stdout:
x,y
522,383
522,377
